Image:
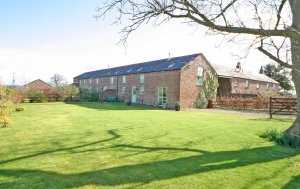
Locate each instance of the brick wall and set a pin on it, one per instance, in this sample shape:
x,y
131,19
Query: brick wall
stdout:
x,y
238,86
152,82
189,88
39,85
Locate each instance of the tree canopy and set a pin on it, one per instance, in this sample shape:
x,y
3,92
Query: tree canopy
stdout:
x,y
279,74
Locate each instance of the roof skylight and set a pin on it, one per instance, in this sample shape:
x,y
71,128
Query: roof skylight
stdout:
x,y
171,65
129,70
140,69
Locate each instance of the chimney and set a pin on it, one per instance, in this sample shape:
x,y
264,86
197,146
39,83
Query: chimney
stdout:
x,y
261,71
238,67
169,56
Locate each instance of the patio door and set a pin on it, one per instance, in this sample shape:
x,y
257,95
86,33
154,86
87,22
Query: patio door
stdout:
x,y
133,95
162,96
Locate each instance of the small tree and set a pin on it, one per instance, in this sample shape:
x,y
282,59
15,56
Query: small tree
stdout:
x,y
57,80
279,74
208,93
6,106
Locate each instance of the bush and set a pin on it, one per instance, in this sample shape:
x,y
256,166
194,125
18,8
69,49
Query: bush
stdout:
x,y
242,103
20,109
201,101
177,106
89,95
282,138
37,96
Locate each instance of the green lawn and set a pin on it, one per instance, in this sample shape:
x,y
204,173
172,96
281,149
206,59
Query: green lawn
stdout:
x,y
90,145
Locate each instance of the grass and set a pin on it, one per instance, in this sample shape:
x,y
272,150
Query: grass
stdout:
x,y
90,145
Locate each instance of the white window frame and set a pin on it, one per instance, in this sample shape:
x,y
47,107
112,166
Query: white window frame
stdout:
x,y
111,80
236,82
142,78
123,91
142,90
90,80
124,79
200,75
257,85
161,97
247,83
84,81
104,88
97,81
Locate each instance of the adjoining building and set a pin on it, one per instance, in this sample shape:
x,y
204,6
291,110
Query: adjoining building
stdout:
x,y
164,82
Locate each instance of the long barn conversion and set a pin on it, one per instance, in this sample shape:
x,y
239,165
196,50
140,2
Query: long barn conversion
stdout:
x,y
164,82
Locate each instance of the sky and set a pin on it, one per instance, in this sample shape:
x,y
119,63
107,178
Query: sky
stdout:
x,y
40,38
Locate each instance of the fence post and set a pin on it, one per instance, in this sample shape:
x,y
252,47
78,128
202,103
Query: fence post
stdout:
x,y
270,107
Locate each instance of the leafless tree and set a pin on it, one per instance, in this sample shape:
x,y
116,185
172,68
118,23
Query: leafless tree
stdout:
x,y
57,80
273,25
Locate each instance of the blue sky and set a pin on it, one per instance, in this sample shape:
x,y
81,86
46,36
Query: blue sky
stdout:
x,y
39,38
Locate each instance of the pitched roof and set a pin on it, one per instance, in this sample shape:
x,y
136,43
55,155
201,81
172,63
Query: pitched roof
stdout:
x,y
224,71
175,63
38,80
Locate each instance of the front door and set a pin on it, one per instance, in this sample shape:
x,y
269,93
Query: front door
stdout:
x,y
162,96
133,95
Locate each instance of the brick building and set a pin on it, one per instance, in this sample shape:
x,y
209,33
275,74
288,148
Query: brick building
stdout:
x,y
39,85
163,82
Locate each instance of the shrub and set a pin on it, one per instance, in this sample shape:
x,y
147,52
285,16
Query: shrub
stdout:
x,y
37,96
177,106
282,138
89,95
20,109
240,103
201,101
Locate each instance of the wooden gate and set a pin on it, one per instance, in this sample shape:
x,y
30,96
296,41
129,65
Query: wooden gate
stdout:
x,y
283,106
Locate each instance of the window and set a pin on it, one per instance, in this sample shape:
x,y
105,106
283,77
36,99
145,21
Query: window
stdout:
x,y
236,82
112,80
123,90
142,91
142,78
124,79
257,85
162,96
268,86
97,89
247,84
97,81
84,81
274,86
80,81
104,88
90,80
200,75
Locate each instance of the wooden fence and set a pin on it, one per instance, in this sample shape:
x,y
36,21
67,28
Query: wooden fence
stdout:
x,y
283,106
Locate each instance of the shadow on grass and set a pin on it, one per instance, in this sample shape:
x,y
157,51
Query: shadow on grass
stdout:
x,y
112,106
294,183
147,172
287,120
113,134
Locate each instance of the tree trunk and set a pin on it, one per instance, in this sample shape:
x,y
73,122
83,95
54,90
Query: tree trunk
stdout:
x,y
295,49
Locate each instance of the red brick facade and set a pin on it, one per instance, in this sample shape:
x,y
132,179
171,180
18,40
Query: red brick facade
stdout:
x,y
39,85
180,85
